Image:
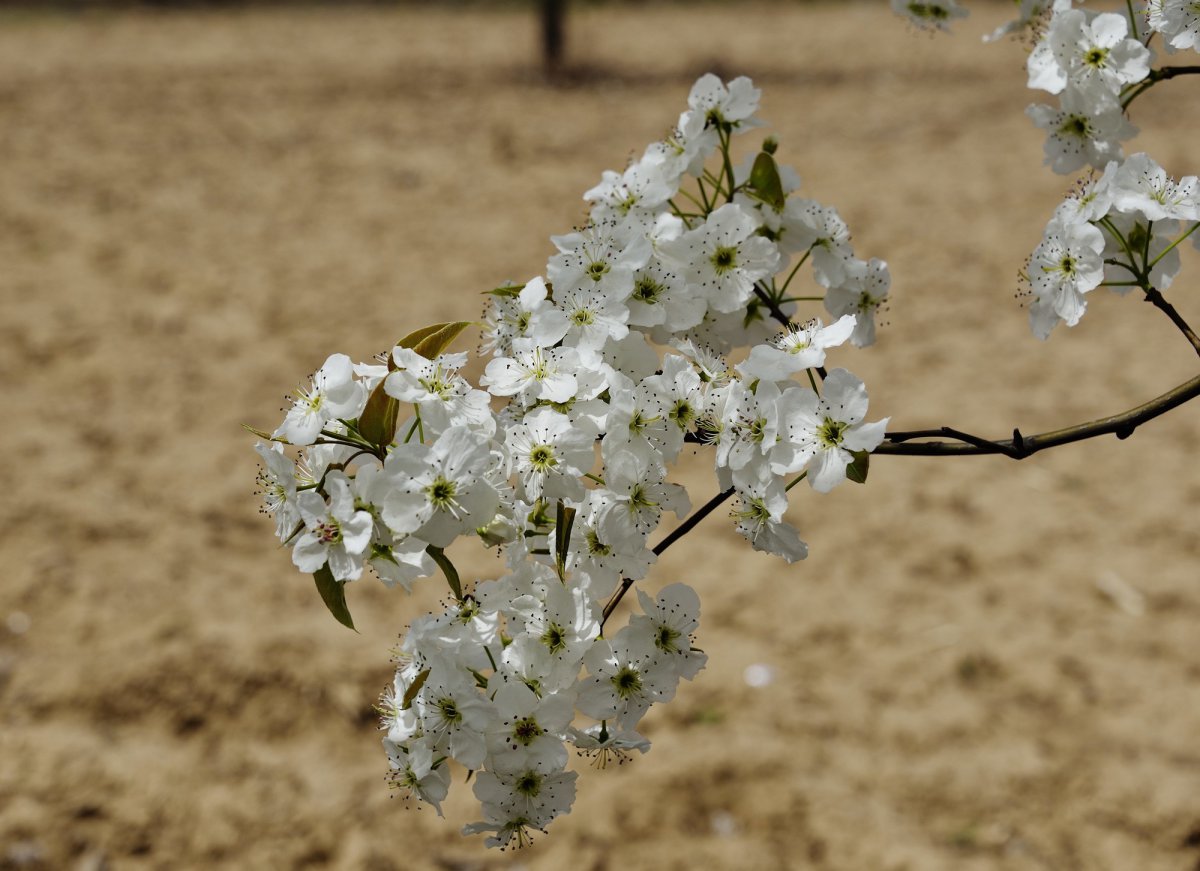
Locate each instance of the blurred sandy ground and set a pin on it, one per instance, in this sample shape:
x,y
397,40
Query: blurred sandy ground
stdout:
x,y
196,209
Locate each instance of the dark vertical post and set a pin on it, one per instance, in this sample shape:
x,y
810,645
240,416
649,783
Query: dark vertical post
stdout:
x,y
553,35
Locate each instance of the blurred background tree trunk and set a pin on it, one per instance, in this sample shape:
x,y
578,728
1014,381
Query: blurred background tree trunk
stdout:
x,y
553,34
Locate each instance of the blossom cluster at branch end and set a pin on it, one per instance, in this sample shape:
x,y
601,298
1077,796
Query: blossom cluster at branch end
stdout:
x,y
1122,225
1120,229
676,316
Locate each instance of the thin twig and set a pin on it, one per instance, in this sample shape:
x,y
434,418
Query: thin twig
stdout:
x,y
679,532
692,519
773,307
1154,297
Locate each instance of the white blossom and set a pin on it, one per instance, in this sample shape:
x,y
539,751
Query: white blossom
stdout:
x,y
733,104
761,503
1177,20
626,677
278,481
551,455
723,257
861,292
335,532
810,227
439,491
685,149
1141,185
796,349
1065,266
1094,57
823,431
668,624
413,772
334,394
1077,135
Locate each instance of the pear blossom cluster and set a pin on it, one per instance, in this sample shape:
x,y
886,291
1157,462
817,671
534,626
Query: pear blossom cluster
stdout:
x,y
1120,229
1094,61
1087,59
1178,21
1122,225
671,317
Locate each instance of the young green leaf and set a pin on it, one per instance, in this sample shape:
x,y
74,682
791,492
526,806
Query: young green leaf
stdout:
x,y
508,291
379,418
415,338
263,434
436,342
857,470
447,567
562,536
413,689
333,594
764,179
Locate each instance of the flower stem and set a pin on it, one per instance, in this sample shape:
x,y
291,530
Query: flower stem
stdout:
x,y
795,269
1171,247
725,137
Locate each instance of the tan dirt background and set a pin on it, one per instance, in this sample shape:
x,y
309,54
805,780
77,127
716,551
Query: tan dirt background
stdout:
x,y
195,209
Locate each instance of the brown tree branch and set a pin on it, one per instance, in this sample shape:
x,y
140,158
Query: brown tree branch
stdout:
x,y
1019,446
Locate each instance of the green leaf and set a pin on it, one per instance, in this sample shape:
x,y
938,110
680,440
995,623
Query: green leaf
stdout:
x,y
413,689
418,337
447,567
333,594
764,179
509,291
431,340
562,536
438,341
262,434
379,418
857,471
